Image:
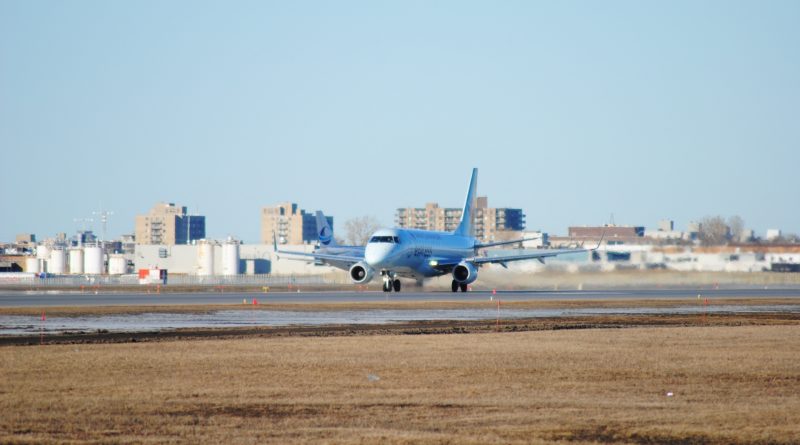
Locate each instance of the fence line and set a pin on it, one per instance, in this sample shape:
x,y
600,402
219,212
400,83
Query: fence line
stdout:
x,y
175,280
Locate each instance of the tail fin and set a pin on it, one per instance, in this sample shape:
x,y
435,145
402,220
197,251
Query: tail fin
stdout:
x,y
325,232
467,216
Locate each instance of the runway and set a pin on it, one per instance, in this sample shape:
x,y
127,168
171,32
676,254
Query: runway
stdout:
x,y
62,298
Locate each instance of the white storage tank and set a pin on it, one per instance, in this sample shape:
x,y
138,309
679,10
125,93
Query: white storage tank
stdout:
x,y
230,258
117,265
93,260
32,265
42,252
58,261
205,258
76,261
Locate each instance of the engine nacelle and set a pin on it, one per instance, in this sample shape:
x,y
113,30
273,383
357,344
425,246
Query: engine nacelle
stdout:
x,y
361,273
465,273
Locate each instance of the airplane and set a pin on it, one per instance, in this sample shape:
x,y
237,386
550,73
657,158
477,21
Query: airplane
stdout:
x,y
418,254
327,242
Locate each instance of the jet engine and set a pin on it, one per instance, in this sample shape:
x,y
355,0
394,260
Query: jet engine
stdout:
x,y
361,273
465,273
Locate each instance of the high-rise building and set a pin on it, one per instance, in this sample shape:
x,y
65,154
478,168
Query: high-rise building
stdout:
x,y
491,224
169,224
289,224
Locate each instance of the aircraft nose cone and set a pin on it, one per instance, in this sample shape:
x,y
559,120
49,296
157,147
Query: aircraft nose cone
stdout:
x,y
375,255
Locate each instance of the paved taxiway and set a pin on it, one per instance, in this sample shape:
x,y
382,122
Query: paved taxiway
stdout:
x,y
53,298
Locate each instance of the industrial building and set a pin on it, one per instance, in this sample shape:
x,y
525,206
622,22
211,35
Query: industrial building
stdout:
x,y
169,224
290,224
491,224
209,258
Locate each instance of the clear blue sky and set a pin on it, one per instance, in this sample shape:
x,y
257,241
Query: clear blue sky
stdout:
x,y
571,110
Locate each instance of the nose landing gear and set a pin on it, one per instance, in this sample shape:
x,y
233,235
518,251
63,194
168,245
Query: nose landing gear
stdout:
x,y
389,285
390,282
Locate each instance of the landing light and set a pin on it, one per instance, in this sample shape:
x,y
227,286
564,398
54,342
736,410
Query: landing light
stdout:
x,y
433,263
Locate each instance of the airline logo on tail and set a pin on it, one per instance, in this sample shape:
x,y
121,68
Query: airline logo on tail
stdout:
x,y
325,231
325,235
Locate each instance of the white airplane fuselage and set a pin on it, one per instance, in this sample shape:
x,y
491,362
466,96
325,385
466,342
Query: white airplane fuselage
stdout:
x,y
409,252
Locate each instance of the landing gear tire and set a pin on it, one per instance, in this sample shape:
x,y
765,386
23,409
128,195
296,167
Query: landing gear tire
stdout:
x,y
454,286
396,285
463,287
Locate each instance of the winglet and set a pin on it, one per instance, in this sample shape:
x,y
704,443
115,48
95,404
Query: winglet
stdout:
x,y
603,235
465,226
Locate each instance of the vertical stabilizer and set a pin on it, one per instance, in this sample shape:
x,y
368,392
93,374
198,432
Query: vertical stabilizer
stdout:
x,y
468,215
324,231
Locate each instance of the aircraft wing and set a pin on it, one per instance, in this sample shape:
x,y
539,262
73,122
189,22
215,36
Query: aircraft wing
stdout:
x,y
342,250
502,243
447,264
324,256
538,255
344,258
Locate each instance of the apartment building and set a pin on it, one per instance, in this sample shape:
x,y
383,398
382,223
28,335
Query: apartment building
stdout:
x,y
169,224
491,224
290,224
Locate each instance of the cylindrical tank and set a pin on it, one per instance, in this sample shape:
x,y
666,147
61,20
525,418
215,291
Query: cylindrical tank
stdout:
x,y
32,265
76,261
93,260
117,265
58,261
43,252
230,258
205,258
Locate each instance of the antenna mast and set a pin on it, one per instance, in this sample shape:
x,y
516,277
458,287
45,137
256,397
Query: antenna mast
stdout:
x,y
103,214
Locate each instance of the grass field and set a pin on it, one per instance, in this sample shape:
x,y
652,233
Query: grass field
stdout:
x,y
728,385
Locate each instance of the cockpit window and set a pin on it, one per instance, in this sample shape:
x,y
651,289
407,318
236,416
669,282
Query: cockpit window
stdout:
x,y
384,239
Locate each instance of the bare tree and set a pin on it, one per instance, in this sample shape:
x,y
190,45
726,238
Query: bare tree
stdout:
x,y
713,231
359,229
736,225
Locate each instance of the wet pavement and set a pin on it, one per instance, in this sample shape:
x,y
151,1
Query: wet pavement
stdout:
x,y
11,325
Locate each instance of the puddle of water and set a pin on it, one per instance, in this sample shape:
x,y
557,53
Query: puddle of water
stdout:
x,y
27,325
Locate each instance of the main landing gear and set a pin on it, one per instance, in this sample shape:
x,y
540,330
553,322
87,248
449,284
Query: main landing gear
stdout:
x,y
455,286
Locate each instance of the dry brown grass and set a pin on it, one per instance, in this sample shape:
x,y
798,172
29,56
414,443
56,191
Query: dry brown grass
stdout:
x,y
730,385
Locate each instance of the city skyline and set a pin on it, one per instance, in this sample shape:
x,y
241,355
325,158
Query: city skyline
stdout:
x,y
687,226
572,111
